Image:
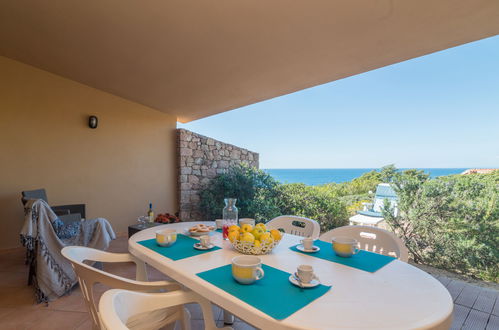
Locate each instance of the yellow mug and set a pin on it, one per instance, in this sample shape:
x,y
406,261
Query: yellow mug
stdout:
x,y
345,246
247,269
166,237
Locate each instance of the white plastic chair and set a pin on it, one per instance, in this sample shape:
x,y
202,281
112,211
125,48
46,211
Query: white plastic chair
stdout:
x,y
88,276
371,239
295,225
119,307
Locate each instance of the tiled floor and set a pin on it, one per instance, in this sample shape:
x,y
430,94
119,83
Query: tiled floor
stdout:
x,y
474,307
18,310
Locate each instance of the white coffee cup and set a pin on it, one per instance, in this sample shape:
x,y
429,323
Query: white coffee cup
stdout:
x,y
166,237
306,273
219,223
247,269
307,243
205,241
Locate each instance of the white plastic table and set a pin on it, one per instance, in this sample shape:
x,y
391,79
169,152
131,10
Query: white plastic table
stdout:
x,y
398,296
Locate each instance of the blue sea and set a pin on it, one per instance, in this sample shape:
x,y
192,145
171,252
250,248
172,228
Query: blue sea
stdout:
x,y
338,175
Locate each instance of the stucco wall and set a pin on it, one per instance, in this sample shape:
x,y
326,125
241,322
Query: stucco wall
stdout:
x,y
200,159
45,141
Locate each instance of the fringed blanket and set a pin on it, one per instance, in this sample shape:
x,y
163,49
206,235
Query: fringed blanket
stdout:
x,y
54,276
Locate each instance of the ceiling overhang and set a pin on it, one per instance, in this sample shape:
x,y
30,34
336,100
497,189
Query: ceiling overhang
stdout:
x,y
198,58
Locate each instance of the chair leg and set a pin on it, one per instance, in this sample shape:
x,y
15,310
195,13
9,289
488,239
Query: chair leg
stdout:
x,y
228,318
186,319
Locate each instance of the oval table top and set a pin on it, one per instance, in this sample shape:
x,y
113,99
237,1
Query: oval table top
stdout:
x,y
397,296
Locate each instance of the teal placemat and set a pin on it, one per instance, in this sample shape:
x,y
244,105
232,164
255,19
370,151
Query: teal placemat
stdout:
x,y
364,260
273,294
219,230
183,248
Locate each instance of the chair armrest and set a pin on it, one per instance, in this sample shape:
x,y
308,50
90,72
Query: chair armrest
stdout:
x,y
73,208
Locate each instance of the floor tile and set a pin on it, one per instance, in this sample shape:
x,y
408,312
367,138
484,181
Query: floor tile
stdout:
x,y
476,320
460,315
485,301
493,323
455,287
468,295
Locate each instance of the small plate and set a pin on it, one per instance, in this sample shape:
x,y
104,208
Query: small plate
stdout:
x,y
312,283
314,248
198,233
198,246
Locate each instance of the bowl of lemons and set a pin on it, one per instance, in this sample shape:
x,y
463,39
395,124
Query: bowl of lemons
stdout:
x,y
254,240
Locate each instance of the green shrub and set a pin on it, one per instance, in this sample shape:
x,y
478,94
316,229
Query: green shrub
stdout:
x,y
313,202
255,190
450,222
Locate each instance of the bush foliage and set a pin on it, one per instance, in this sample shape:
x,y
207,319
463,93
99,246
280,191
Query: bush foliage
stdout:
x,y
449,222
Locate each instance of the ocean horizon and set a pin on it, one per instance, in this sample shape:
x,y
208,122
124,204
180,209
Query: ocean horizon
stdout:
x,y
338,175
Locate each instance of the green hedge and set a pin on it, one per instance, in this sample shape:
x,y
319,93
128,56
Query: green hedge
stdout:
x,y
450,222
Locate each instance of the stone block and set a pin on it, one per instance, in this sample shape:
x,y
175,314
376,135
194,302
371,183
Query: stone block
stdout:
x,y
183,178
214,165
185,170
199,161
235,154
211,172
223,164
198,153
193,179
210,142
185,152
185,186
196,172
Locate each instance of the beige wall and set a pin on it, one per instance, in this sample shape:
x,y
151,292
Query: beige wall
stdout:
x,y
45,142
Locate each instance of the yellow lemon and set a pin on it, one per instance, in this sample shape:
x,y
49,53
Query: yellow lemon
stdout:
x,y
246,228
261,225
248,237
276,234
257,232
266,238
233,235
257,243
234,228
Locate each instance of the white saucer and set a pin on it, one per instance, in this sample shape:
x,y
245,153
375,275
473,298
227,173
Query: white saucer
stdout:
x,y
301,248
312,283
198,246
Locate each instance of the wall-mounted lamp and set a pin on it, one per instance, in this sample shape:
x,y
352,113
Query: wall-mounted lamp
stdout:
x,y
93,122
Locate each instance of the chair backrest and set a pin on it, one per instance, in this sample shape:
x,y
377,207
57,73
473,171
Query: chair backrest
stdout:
x,y
371,239
295,225
34,194
88,275
119,306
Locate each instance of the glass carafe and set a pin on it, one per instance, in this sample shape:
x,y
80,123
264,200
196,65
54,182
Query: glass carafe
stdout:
x,y
229,215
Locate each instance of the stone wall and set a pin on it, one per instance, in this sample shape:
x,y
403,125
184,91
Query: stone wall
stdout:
x,y
200,159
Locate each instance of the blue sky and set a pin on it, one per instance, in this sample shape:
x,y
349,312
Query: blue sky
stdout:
x,y
439,110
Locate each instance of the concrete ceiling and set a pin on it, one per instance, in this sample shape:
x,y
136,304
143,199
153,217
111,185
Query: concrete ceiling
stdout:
x,y
195,58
